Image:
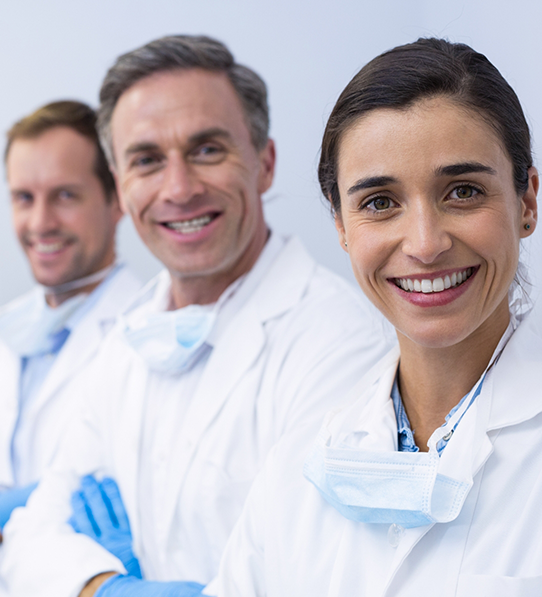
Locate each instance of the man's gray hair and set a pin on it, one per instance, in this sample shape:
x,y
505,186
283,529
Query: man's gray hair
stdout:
x,y
183,52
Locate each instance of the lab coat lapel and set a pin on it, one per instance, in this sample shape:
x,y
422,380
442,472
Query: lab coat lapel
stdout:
x,y
11,368
235,352
220,377
87,335
127,453
517,377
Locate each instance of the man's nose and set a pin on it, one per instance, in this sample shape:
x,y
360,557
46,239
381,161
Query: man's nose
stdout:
x,y
425,234
181,181
43,217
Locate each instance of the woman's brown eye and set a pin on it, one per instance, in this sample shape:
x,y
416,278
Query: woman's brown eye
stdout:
x,y
464,192
382,203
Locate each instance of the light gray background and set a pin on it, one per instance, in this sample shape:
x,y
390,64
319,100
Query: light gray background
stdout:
x,y
306,50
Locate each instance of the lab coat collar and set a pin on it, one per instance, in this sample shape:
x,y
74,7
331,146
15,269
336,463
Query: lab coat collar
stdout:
x,y
87,335
517,377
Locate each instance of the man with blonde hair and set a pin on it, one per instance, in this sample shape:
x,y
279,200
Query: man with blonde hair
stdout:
x,y
65,211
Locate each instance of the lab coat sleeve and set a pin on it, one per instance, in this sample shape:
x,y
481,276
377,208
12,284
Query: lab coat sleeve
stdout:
x,y
43,556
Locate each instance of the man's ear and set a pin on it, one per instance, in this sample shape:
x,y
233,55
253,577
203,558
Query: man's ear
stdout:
x,y
118,194
529,215
116,206
267,166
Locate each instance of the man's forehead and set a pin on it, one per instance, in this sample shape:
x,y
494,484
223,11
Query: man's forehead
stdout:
x,y
185,101
58,156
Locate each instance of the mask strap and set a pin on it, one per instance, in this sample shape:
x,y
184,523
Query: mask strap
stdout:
x,y
80,282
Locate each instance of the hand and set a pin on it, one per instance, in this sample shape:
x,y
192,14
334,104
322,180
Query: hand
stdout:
x,y
127,586
13,498
98,512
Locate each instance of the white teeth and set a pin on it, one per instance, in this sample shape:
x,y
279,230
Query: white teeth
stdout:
x,y
427,286
48,247
190,226
436,285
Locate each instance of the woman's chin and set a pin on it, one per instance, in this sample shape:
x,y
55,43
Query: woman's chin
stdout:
x,y
434,335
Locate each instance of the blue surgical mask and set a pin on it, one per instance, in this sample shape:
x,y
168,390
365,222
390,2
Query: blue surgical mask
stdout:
x,y
171,340
29,325
404,488
357,470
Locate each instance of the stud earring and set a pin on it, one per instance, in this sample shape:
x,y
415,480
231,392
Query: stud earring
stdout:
x,y
527,226
345,244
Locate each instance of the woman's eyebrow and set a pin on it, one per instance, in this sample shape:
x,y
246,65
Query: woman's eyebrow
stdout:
x,y
463,168
371,182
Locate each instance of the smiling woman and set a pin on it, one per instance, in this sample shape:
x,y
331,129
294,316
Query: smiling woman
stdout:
x,y
429,482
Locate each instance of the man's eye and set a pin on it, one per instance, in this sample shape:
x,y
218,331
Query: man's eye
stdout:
x,y
22,198
208,153
144,160
66,195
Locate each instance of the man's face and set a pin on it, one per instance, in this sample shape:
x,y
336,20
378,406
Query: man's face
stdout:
x,y
60,213
189,175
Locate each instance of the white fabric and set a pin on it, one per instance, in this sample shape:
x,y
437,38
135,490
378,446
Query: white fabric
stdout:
x,y
54,407
27,323
293,348
60,394
290,542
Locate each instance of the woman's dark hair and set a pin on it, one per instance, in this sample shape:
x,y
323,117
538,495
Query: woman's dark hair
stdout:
x,y
427,68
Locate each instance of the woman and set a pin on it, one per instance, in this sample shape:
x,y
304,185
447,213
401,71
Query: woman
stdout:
x,y
430,482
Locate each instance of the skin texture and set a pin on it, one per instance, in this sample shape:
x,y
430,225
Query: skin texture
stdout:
x,y
94,584
58,201
182,150
420,222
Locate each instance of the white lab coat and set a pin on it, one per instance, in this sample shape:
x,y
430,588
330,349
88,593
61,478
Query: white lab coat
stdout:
x,y
294,348
59,397
290,542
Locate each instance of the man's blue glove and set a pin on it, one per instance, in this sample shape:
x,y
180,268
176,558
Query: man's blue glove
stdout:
x,y
127,586
98,512
13,498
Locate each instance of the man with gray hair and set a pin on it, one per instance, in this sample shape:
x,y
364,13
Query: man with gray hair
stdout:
x,y
240,340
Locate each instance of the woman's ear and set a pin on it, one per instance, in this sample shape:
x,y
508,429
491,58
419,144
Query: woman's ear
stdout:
x,y
341,231
529,215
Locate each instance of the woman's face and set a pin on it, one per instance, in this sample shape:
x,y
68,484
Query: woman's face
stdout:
x,y
432,219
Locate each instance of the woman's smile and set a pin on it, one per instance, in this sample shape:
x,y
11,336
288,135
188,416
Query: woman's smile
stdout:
x,y
431,218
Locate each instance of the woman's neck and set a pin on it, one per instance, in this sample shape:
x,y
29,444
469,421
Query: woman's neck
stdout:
x,y
433,380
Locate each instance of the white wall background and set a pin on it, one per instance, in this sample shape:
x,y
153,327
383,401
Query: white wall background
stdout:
x,y
306,50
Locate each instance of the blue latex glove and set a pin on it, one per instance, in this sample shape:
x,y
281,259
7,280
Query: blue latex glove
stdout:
x,y
98,512
127,586
13,498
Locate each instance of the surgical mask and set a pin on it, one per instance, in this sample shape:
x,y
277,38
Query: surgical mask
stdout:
x,y
170,341
80,282
380,485
404,488
28,327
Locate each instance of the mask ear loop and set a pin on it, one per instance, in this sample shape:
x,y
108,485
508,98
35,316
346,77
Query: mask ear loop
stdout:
x,y
80,282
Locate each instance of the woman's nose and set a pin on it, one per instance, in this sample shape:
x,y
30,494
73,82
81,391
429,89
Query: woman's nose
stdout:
x,y
425,235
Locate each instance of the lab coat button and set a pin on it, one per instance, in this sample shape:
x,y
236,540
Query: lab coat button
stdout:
x,y
395,534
